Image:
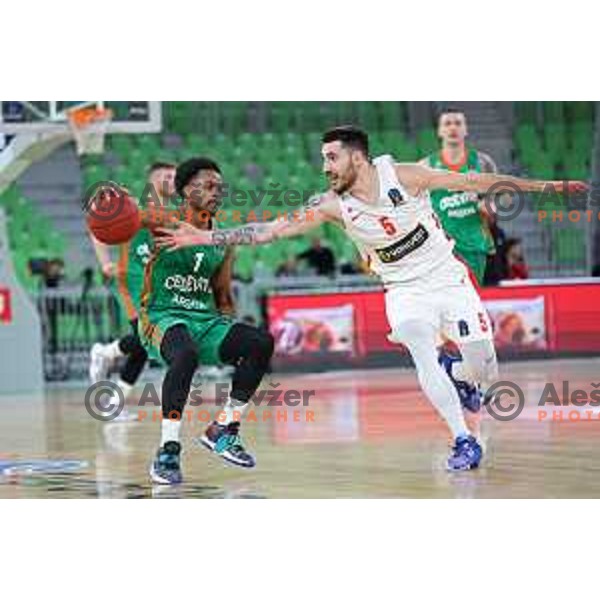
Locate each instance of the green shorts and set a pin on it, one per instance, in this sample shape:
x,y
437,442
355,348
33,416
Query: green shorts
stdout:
x,y
208,329
476,261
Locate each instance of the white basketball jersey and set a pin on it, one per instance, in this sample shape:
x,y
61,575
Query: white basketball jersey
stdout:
x,y
399,235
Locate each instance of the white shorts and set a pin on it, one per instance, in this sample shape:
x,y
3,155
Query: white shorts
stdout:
x,y
446,299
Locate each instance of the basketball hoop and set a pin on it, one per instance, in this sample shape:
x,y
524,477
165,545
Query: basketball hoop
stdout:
x,y
89,125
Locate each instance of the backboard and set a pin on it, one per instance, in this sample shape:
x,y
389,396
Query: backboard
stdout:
x,y
35,117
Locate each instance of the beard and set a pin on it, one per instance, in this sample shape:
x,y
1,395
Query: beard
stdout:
x,y
343,184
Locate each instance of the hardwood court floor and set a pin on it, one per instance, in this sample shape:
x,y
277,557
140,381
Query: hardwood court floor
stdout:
x,y
372,434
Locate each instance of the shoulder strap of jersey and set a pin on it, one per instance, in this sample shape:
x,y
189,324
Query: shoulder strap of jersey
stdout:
x,y
385,165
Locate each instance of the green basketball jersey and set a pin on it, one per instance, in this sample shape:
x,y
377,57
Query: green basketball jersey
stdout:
x,y
129,280
177,291
459,211
180,280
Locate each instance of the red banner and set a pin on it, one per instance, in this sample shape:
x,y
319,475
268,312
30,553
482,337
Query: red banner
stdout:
x,y
5,308
560,318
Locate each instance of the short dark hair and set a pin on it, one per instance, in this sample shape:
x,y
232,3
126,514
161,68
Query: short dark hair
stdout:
x,y
160,164
188,169
348,135
449,110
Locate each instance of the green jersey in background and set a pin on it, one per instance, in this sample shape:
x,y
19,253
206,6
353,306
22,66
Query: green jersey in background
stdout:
x,y
459,212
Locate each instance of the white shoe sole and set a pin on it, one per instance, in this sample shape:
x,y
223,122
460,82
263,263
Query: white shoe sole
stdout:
x,y
156,478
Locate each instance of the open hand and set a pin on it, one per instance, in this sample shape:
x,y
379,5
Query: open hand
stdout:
x,y
570,187
183,234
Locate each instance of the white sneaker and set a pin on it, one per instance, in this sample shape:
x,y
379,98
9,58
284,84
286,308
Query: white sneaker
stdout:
x,y
99,363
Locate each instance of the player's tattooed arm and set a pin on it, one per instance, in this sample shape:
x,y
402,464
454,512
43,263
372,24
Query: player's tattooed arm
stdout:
x,y
221,285
487,206
418,178
317,210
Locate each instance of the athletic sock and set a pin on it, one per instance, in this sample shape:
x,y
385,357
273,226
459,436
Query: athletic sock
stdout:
x,y
232,411
112,350
170,430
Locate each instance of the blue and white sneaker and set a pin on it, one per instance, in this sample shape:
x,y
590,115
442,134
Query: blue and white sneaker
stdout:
x,y
470,395
166,467
225,441
466,454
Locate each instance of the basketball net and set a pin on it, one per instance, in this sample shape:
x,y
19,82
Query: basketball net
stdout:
x,y
88,126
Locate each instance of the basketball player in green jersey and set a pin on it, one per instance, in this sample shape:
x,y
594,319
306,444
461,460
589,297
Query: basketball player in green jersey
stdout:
x,y
187,320
463,214
126,278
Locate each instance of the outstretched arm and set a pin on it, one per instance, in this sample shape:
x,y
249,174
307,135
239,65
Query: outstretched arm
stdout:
x,y
103,255
318,210
418,178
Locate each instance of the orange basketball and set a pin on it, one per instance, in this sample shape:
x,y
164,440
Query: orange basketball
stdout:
x,y
113,216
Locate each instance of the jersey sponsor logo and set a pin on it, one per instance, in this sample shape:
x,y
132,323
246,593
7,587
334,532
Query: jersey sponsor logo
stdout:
x,y
395,195
188,303
461,213
187,283
457,200
143,253
410,242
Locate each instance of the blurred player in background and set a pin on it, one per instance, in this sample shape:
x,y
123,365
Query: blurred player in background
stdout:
x,y
126,278
385,209
463,214
187,320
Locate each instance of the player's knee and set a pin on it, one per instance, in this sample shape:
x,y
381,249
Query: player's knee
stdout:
x,y
265,344
248,343
259,346
138,353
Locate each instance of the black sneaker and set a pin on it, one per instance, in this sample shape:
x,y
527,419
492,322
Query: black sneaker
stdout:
x,y
166,468
225,441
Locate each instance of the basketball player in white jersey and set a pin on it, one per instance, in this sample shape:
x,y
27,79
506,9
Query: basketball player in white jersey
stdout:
x,y
385,209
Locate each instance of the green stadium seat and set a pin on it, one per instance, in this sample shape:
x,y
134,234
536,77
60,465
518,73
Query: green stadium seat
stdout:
x,y
121,144
579,112
568,247
542,167
391,115
555,141
526,112
427,141
554,112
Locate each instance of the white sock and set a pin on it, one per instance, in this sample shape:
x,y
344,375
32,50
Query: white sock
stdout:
x,y
112,350
232,411
169,431
419,337
479,365
461,372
